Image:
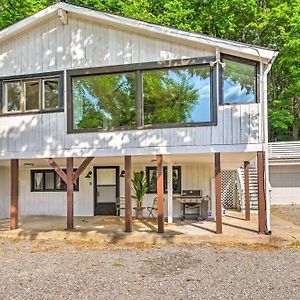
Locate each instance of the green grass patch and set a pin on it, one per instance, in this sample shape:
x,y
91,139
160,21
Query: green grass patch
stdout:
x,y
296,245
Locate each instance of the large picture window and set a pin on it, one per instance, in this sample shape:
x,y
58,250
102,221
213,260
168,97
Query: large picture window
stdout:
x,y
173,93
34,94
104,101
239,81
151,178
178,95
49,181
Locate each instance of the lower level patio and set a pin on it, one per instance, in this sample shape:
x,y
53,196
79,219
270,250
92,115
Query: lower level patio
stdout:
x,y
111,229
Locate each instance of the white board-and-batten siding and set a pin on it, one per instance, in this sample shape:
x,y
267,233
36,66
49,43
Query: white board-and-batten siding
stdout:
x,y
285,184
53,46
55,203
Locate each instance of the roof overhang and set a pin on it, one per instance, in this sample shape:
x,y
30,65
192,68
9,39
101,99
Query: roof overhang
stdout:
x,y
263,55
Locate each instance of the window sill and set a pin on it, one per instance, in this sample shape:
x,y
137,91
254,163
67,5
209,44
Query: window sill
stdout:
x,y
125,128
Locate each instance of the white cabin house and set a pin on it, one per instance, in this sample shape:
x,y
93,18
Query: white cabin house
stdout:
x,y
105,96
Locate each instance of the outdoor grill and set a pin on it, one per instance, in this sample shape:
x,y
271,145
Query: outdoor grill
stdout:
x,y
193,204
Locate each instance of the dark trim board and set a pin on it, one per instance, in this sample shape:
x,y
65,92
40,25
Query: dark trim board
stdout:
x,y
138,68
59,74
141,66
108,205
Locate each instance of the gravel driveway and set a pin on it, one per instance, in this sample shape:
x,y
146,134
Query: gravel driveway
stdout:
x,y
288,212
65,270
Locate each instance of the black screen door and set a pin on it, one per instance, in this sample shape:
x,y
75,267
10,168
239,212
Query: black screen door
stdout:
x,y
106,190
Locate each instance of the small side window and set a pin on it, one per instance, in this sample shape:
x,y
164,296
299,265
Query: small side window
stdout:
x,y
32,95
239,81
38,181
49,181
12,92
51,93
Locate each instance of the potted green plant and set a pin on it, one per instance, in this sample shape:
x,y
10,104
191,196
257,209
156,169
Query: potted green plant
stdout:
x,y
139,187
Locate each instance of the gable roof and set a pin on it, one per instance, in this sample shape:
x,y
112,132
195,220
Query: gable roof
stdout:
x,y
226,46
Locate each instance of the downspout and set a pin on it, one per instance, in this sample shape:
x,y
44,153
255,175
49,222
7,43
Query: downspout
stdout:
x,y
266,142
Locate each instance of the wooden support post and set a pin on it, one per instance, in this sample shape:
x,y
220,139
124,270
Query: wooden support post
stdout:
x,y
14,203
261,193
160,194
128,208
69,179
218,193
70,194
247,190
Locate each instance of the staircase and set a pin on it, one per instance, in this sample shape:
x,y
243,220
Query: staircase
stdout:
x,y
253,186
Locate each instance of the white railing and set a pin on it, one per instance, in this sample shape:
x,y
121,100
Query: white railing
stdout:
x,y
284,150
240,188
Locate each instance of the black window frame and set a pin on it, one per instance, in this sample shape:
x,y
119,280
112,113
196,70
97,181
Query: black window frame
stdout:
x,y
55,175
33,77
165,182
138,69
253,63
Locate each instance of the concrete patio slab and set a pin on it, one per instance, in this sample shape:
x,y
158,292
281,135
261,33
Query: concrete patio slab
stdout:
x,y
111,229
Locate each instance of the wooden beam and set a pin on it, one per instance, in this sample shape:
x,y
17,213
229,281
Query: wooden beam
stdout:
x,y
160,194
247,190
70,194
128,208
81,168
261,193
14,201
58,170
218,193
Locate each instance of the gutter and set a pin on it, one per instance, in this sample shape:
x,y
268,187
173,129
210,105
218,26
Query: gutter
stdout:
x,y
266,142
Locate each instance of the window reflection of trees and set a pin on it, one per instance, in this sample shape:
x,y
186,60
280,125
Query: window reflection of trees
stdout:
x,y
104,101
174,95
239,82
177,95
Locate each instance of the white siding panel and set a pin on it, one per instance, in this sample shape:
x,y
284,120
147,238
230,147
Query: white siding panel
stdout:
x,y
5,192
54,46
245,124
54,203
236,124
227,124
285,184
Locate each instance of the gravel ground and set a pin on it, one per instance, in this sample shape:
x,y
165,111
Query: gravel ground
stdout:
x,y
287,212
88,270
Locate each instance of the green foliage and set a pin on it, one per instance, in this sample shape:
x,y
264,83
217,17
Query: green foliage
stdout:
x,y
168,98
269,23
139,186
104,101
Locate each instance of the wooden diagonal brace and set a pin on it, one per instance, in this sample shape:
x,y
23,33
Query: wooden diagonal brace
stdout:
x,y
81,168
58,170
